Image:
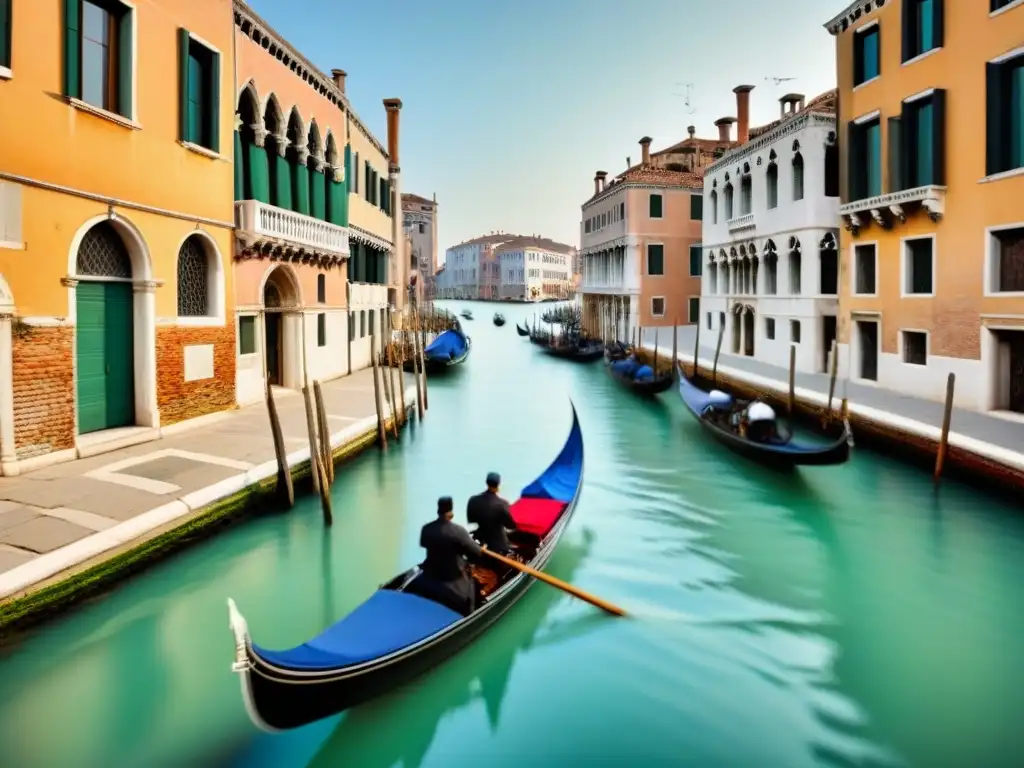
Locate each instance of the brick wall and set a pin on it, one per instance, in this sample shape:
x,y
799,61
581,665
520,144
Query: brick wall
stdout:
x,y
44,389
179,399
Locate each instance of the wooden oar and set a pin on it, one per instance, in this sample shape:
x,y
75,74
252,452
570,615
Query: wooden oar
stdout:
x,y
614,610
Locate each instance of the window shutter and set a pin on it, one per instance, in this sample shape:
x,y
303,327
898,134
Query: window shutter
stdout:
x,y
183,107
907,30
896,170
878,50
853,166
696,207
939,137
72,49
995,115
125,64
5,33
214,105
938,23
239,167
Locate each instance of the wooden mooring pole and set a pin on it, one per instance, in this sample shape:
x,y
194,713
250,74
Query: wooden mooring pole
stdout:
x,y
381,434
326,451
316,466
833,361
423,364
675,348
792,379
285,489
718,351
947,417
696,349
401,370
414,337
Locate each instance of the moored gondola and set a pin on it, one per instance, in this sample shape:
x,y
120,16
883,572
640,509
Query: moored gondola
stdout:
x,y
467,314
499,319
576,351
725,418
638,377
522,331
396,635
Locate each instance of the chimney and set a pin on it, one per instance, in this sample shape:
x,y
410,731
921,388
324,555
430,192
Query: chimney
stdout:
x,y
339,76
743,112
645,150
629,162
597,185
725,128
393,107
795,102
601,176
691,130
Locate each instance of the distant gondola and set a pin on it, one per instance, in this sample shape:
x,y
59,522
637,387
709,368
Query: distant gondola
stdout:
x,y
714,410
466,314
499,319
397,634
639,378
522,331
577,352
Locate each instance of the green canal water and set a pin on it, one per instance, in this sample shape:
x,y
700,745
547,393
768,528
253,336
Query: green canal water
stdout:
x,y
840,616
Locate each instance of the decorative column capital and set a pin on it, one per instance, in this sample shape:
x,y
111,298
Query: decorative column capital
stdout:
x,y
319,165
259,134
337,173
146,286
69,281
301,154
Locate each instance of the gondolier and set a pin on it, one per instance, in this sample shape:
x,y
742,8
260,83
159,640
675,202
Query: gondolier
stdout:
x,y
491,514
445,576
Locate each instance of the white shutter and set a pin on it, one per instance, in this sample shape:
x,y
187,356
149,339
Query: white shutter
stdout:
x,y
10,214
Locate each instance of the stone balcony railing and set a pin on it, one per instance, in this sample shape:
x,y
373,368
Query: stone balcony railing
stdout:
x,y
367,295
262,222
889,208
746,221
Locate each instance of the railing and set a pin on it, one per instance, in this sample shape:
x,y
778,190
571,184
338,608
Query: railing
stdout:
x,y
264,220
746,221
364,295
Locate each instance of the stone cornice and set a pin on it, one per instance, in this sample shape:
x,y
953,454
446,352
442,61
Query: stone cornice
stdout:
x,y
368,238
260,32
605,194
793,125
852,14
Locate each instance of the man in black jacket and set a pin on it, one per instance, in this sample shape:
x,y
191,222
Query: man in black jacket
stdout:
x,y
492,515
445,576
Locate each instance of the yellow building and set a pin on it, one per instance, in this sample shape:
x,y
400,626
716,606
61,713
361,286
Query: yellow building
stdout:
x,y
116,175
931,131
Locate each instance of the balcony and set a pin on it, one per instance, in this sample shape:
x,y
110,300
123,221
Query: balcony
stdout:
x,y
740,223
267,228
886,210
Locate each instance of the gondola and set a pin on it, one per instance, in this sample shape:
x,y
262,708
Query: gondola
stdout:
x,y
396,635
449,349
466,314
629,372
540,338
499,319
522,331
712,408
577,352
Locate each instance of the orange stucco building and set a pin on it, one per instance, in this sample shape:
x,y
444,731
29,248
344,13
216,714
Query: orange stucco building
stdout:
x,y
931,96
115,223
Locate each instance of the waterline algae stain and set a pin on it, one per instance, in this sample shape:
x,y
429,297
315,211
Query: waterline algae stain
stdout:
x,y
838,616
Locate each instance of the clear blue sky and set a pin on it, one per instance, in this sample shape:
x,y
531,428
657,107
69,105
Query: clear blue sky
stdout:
x,y
510,106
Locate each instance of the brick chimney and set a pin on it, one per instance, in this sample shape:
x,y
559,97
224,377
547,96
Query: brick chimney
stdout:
x,y
597,185
743,112
725,128
393,107
601,176
795,102
691,130
339,76
645,150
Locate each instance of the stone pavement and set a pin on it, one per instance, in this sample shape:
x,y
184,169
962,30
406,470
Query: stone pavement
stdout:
x,y
1002,439
60,516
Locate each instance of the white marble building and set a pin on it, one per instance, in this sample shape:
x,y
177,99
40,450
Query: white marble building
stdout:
x,y
535,269
770,239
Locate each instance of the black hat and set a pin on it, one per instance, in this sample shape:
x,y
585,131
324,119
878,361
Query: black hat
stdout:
x,y
493,479
445,505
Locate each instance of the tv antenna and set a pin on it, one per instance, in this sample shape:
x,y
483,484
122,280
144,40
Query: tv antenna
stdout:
x,y
687,96
778,80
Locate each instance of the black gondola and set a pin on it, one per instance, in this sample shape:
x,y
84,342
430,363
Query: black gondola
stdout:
x,y
499,319
522,331
396,635
646,387
579,352
713,409
466,314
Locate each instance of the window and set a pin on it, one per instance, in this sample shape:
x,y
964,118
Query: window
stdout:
x,y
423,228
769,328
321,330
865,159
622,210
917,266
5,33
995,5
746,195
321,288
915,347
655,207
362,323
865,267
795,272
1007,248
771,177
866,63
714,207
193,279
922,27
655,259
695,261
1005,116
658,306
728,202
917,146
354,172
696,207
198,92
693,309
798,176
98,54
246,335
709,321
794,331
351,327
832,170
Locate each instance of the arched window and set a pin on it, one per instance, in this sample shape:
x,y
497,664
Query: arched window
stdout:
x,y
714,207
798,176
193,279
728,201
772,182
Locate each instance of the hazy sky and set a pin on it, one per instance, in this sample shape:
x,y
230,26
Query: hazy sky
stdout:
x,y
510,106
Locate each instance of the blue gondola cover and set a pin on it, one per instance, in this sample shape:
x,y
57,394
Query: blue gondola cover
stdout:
x,y
559,481
446,346
644,373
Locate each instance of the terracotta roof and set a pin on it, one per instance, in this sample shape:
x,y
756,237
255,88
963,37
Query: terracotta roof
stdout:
x,y
822,104
408,197
541,243
703,145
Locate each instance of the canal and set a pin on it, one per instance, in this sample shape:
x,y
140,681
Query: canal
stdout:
x,y
842,616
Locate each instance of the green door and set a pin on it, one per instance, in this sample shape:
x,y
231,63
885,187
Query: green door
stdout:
x,y
104,356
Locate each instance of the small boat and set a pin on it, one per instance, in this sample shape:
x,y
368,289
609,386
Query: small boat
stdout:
x,y
623,366
578,352
466,314
499,319
450,348
540,338
522,331
397,635
713,410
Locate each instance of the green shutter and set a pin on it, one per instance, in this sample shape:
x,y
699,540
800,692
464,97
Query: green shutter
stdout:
x,y
317,195
72,49
853,167
281,180
908,10
239,168
183,61
995,117
897,172
259,173
695,261
5,33
938,23
938,129
300,188
878,50
696,207
348,163
213,103
654,206
125,63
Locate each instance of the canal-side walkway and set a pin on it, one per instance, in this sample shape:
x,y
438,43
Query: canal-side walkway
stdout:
x,y
999,439
57,518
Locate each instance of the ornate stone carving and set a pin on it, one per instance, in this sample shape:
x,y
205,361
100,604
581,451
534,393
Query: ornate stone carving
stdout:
x,y
898,212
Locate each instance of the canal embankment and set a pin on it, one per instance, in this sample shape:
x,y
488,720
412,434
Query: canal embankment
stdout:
x,y
980,448
71,530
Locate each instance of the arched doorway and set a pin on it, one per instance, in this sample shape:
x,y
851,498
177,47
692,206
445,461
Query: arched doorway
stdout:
x,y
105,332
748,331
280,296
737,328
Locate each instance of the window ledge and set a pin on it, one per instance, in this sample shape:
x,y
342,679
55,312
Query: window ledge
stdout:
x,y
864,295
924,55
6,73
1005,8
201,150
1003,175
988,294
917,295
10,245
866,82
103,113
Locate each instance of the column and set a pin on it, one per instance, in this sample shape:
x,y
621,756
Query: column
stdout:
x,y
317,190
147,412
8,451
280,174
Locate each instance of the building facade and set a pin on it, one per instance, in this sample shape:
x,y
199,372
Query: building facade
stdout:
x,y
534,269
932,246
471,269
770,237
419,217
115,224
317,264
640,240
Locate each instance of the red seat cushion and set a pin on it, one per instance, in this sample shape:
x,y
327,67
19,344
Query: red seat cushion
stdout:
x,y
537,516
